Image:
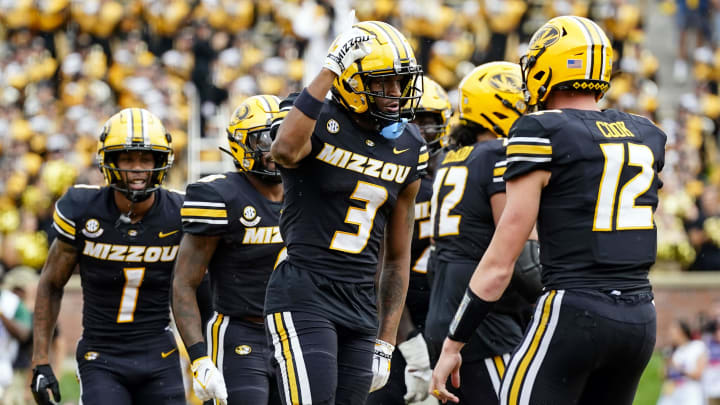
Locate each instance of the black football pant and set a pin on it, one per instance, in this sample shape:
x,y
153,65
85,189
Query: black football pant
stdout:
x,y
582,347
318,361
146,371
240,351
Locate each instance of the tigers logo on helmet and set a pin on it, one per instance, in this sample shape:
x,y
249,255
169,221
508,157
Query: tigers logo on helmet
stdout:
x,y
506,83
544,37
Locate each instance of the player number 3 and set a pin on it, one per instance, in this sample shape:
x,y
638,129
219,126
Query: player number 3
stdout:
x,y
373,196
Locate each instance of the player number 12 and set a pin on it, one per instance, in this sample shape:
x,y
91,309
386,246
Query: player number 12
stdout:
x,y
628,215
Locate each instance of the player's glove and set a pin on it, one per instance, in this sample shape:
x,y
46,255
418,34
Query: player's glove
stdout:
x,y
42,381
208,382
417,370
381,364
348,47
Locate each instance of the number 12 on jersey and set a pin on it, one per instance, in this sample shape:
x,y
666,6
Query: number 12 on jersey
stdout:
x,y
627,215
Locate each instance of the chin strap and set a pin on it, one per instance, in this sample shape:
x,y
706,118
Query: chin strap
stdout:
x,y
394,130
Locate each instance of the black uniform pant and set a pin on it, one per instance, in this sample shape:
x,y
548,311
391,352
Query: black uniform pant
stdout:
x,y
146,371
582,347
240,351
318,361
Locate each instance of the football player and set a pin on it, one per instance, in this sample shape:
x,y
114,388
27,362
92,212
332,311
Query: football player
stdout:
x,y
468,198
351,169
231,229
124,237
410,374
590,178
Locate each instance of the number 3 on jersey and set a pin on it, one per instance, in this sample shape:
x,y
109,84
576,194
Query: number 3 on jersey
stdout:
x,y
628,215
374,196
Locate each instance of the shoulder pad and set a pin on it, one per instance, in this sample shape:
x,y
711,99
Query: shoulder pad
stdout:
x,y
639,119
207,189
71,207
548,119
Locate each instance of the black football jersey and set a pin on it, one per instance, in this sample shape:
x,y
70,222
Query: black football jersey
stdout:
x,y
595,223
125,269
250,245
462,217
418,295
339,198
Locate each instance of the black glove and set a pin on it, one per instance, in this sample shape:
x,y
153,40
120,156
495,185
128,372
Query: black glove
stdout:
x,y
526,276
44,379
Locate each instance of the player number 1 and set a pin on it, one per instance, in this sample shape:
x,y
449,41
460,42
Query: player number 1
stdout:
x,y
628,215
374,196
133,279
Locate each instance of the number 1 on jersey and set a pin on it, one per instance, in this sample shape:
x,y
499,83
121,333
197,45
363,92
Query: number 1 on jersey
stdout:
x,y
374,196
133,279
629,215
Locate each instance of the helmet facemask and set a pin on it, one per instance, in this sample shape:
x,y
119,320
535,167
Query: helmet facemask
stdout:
x,y
410,93
250,133
117,178
256,144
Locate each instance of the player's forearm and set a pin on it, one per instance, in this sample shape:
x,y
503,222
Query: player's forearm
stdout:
x,y
292,142
47,308
186,312
391,298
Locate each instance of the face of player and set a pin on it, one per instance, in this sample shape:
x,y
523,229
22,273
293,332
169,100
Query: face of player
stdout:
x,y
390,86
261,141
426,123
141,162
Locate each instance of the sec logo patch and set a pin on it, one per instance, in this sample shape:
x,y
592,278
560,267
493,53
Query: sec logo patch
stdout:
x,y
332,126
92,228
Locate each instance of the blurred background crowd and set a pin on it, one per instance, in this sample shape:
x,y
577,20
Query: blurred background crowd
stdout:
x,y
68,65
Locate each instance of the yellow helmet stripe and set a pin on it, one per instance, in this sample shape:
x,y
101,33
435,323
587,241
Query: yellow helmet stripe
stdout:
x,y
387,36
266,106
598,47
402,43
589,57
143,127
130,126
137,125
603,49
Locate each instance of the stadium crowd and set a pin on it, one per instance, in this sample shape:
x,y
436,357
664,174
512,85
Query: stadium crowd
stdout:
x,y
68,65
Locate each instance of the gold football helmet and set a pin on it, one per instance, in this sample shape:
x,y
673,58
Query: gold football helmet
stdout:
x,y
134,129
390,55
491,97
251,132
567,53
433,113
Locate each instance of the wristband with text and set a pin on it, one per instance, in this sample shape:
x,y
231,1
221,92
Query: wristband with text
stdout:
x,y
470,314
